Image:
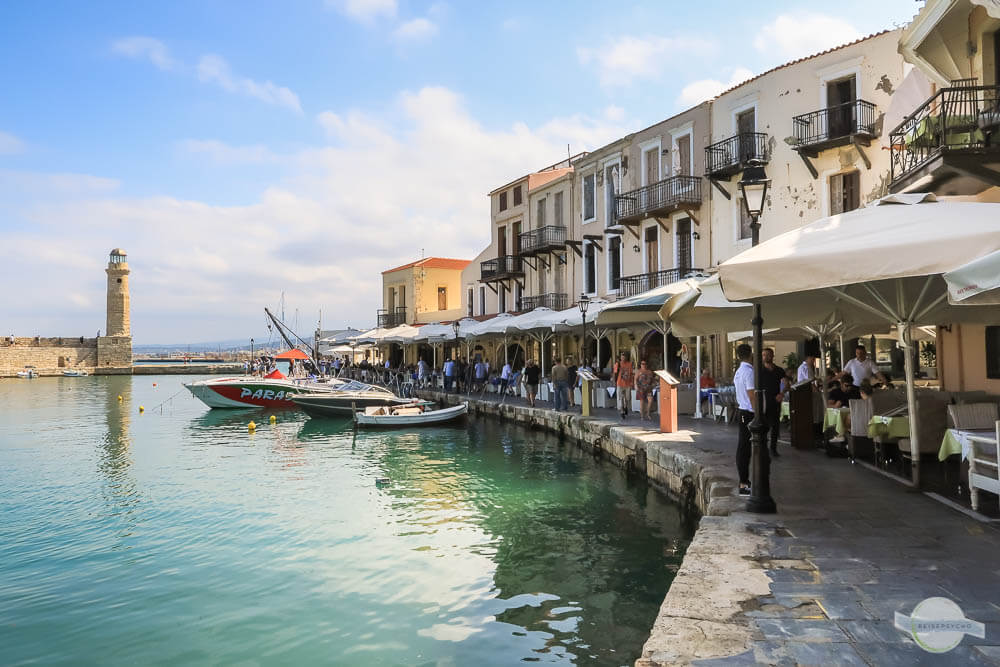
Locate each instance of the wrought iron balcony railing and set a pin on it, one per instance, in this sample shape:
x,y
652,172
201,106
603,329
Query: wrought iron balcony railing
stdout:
x,y
391,318
726,157
955,119
505,266
659,198
550,237
552,300
631,285
835,125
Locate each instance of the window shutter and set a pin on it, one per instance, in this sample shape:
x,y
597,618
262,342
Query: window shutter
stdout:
x,y
557,206
836,194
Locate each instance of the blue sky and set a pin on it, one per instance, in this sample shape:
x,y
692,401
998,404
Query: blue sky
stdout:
x,y
238,149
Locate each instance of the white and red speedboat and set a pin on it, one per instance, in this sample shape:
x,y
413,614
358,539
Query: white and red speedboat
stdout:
x,y
271,391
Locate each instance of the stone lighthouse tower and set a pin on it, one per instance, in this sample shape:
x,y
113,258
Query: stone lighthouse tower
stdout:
x,y
114,349
118,305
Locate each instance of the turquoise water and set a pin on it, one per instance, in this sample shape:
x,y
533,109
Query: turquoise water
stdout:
x,y
176,537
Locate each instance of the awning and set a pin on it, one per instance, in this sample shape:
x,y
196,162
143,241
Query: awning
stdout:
x,y
641,308
294,353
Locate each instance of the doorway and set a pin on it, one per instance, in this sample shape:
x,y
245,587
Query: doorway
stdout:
x,y
652,239
839,97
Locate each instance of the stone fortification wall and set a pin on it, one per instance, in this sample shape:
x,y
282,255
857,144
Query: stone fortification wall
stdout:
x,y
114,355
49,356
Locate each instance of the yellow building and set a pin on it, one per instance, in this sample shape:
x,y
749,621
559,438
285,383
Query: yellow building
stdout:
x,y
424,291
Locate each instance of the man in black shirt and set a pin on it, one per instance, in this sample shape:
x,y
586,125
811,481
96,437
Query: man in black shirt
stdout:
x,y
838,397
532,374
770,381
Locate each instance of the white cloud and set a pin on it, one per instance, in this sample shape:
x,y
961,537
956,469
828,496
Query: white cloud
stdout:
x,y
614,113
792,36
628,58
9,144
366,11
417,29
215,69
145,47
697,92
340,213
222,153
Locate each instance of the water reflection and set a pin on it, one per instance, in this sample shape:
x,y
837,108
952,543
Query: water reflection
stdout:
x,y
120,491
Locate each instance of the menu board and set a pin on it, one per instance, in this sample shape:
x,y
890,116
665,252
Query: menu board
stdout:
x,y
586,374
668,377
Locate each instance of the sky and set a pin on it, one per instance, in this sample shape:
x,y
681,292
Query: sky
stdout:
x,y
241,150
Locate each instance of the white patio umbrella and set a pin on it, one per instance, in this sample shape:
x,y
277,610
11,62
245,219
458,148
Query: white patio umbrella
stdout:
x,y
885,261
976,283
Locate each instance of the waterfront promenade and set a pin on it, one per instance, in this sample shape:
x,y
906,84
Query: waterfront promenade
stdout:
x,y
817,583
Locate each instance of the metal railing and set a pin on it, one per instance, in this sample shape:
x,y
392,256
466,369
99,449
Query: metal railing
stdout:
x,y
552,300
505,265
836,122
391,318
631,285
958,117
544,237
732,153
669,192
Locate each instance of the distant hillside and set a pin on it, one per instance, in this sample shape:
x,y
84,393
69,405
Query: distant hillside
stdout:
x,y
231,345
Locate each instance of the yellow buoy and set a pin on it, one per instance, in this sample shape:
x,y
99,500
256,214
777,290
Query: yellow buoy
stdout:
x,y
119,397
251,427
142,409
273,419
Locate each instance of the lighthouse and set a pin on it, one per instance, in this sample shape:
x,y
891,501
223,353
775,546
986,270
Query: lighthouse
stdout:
x,y
118,300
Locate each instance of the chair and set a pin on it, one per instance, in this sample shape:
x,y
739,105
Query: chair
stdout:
x,y
932,421
984,472
972,416
861,414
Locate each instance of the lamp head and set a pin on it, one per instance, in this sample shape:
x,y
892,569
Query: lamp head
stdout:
x,y
583,303
753,187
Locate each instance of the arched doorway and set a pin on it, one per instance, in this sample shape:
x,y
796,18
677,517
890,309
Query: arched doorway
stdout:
x,y
515,354
651,349
395,355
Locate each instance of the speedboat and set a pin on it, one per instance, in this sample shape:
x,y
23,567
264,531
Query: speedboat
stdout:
x,y
272,391
415,415
28,372
75,373
348,398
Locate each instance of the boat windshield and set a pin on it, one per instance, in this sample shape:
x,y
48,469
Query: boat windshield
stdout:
x,y
354,385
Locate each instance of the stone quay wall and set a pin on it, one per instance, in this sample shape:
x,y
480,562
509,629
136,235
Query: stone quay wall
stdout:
x,y
701,481
106,355
188,369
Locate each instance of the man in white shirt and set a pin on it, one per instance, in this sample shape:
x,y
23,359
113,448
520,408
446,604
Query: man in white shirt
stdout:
x,y
807,369
861,368
744,383
422,372
447,371
505,374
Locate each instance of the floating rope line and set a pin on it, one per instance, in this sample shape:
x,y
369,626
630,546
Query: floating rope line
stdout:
x,y
160,406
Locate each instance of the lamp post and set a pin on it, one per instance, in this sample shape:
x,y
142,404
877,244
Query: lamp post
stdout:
x,y
583,303
251,350
753,187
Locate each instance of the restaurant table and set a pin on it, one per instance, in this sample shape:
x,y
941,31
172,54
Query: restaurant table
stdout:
x,y
956,441
838,419
893,428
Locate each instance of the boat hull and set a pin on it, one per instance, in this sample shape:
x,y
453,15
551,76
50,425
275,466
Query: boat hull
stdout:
x,y
343,404
248,392
426,419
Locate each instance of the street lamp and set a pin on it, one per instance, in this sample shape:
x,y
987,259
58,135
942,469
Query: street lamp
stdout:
x,y
583,303
753,188
454,327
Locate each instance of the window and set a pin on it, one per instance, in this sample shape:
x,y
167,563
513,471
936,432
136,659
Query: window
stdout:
x,y
517,195
517,296
589,192
589,268
612,186
652,237
684,254
993,353
442,298
501,241
503,201
540,218
391,301
402,296
614,262
472,294
557,213
482,300
845,192
745,232
503,300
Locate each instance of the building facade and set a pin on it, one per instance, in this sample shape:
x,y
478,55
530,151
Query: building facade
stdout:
x,y
427,290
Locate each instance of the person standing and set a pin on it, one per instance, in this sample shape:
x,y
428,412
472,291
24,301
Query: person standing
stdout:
x,y
807,369
744,386
771,378
645,382
861,368
422,372
532,374
571,371
560,381
481,374
624,375
448,372
505,374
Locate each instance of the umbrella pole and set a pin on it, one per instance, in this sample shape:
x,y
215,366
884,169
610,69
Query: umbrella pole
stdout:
x,y
843,359
697,378
911,402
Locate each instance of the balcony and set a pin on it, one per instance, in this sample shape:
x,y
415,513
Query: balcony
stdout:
x,y
839,125
949,145
551,300
729,156
391,318
632,285
501,268
543,239
660,198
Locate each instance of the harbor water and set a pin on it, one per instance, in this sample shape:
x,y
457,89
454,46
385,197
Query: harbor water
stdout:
x,y
175,536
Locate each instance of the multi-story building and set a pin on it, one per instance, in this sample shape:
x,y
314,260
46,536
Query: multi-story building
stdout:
x,y
817,125
424,291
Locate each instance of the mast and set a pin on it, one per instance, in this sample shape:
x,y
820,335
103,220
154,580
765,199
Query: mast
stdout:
x,y
282,328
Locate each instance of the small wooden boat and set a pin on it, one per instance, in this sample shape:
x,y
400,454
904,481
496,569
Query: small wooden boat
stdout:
x,y
28,372
75,373
391,416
